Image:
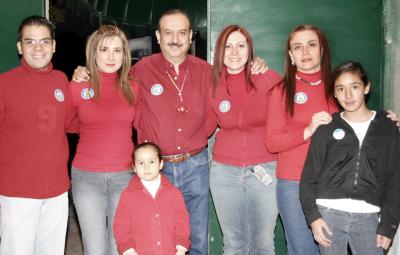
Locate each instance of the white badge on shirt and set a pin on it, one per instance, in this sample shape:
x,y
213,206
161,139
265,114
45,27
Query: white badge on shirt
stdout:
x,y
224,106
338,134
59,95
157,89
300,98
87,93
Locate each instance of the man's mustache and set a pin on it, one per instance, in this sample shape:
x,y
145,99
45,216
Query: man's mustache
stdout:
x,y
175,44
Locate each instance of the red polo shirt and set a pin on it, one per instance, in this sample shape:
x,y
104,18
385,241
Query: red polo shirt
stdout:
x,y
175,132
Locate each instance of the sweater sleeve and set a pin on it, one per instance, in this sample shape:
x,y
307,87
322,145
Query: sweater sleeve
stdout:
x,y
72,120
278,137
390,205
181,222
138,105
122,228
211,117
310,176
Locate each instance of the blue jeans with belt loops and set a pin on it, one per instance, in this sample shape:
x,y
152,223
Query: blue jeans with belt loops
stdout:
x,y
96,196
192,178
358,230
246,208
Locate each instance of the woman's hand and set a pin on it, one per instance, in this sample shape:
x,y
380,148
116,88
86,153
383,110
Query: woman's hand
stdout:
x,y
130,251
319,118
383,242
393,116
258,66
81,74
319,230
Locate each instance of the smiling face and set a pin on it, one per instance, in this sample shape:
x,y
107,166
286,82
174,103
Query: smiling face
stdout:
x,y
305,51
350,92
147,163
236,52
36,46
174,37
110,55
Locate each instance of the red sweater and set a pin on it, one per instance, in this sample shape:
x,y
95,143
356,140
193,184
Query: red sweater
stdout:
x,y
105,127
152,226
241,118
33,144
161,123
285,134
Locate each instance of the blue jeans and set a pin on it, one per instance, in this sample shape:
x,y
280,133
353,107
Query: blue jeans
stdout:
x,y
192,178
246,208
358,230
299,238
96,197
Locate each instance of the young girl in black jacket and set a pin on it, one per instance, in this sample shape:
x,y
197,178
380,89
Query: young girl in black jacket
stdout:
x,y
349,188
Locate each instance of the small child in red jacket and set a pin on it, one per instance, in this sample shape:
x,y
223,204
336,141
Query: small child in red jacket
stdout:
x,y
151,217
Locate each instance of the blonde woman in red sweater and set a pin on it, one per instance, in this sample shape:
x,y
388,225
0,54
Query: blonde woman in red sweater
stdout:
x,y
242,174
106,109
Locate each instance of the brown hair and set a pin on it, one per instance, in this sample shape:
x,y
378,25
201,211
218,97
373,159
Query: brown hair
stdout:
x,y
95,40
289,80
147,145
219,55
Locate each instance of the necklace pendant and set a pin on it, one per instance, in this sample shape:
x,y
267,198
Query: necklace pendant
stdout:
x,y
181,108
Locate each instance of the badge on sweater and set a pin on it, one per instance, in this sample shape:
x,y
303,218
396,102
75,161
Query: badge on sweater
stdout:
x,y
59,95
338,134
157,89
300,98
87,93
224,106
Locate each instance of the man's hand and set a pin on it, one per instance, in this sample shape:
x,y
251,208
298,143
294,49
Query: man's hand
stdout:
x,y
81,74
258,66
319,230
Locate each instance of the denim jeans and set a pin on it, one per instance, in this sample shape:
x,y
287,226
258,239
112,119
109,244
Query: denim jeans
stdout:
x,y
192,178
358,230
246,208
96,196
299,238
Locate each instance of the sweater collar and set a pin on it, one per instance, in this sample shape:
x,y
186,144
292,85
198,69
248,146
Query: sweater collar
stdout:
x,y
136,183
34,71
310,77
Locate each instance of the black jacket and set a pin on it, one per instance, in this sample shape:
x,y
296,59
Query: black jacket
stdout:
x,y
339,168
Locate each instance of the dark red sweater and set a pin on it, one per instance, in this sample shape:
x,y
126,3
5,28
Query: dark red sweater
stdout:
x,y
33,144
241,119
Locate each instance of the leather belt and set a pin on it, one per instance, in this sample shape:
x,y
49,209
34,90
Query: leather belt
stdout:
x,y
181,157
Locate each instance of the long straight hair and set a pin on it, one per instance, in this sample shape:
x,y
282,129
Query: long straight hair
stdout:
x,y
98,38
219,55
289,80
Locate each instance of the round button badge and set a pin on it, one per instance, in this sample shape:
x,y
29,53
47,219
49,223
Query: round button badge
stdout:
x,y
59,95
300,98
224,106
157,89
87,93
338,134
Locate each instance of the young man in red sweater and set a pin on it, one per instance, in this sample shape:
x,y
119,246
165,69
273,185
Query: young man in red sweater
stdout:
x,y
33,147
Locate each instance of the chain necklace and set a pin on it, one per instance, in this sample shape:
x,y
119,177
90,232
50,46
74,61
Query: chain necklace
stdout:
x,y
180,107
309,82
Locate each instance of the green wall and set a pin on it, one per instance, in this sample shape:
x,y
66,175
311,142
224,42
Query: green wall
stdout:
x,y
353,28
11,14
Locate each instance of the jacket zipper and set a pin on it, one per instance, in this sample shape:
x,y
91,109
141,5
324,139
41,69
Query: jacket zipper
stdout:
x,y
357,170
